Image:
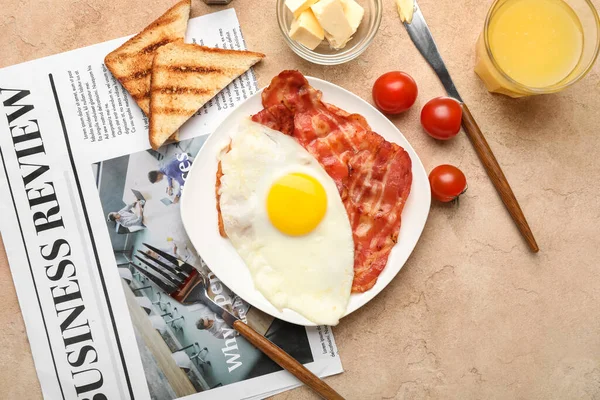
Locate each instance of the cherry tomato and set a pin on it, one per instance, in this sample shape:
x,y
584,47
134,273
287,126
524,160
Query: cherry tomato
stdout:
x,y
447,183
394,92
441,117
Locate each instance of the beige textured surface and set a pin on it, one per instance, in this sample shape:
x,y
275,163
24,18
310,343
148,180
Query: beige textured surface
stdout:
x,y
473,314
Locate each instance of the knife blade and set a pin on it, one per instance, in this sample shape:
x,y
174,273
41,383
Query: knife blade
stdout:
x,y
421,36
419,33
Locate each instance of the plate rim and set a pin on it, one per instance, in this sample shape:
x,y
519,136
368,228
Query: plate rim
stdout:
x,y
378,288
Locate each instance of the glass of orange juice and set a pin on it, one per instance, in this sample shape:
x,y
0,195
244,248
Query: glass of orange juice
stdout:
x,y
533,47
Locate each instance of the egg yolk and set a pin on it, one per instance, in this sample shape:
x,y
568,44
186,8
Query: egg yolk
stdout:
x,y
296,204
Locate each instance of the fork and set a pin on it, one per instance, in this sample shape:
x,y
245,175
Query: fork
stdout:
x,y
186,285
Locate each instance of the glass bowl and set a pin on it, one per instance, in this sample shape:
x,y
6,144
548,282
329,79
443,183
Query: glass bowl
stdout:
x,y
324,54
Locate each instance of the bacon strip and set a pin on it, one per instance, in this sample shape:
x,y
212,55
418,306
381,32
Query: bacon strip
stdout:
x,y
372,175
277,117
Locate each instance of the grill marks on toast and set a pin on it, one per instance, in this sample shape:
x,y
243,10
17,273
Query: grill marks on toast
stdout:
x,y
186,76
141,96
173,111
150,49
131,63
185,69
179,90
136,75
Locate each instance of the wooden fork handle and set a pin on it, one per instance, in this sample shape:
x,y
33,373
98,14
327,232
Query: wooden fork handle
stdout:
x,y
497,176
287,362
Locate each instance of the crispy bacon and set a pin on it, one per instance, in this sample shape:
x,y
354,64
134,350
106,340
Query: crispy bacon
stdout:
x,y
372,175
378,187
277,117
293,91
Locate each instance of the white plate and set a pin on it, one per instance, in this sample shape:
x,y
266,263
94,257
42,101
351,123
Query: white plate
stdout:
x,y
199,213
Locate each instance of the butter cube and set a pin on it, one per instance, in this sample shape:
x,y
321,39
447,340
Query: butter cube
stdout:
x,y
297,7
306,30
330,14
354,13
406,9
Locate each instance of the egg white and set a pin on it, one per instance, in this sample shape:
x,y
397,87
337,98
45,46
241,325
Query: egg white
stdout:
x,y
310,274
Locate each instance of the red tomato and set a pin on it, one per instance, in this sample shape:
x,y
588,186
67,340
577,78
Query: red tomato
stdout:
x,y
441,117
447,183
394,92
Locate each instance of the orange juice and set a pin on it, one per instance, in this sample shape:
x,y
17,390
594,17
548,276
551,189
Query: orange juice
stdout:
x,y
536,43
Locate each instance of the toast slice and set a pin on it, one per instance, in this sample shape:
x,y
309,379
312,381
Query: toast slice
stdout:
x,y
132,61
184,78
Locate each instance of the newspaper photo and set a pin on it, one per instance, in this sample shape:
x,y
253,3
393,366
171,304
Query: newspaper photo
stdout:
x,y
90,219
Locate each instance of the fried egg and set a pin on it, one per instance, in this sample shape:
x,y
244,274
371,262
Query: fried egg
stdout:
x,y
284,216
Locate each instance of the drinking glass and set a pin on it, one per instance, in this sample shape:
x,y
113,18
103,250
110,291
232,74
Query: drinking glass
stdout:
x,y
498,81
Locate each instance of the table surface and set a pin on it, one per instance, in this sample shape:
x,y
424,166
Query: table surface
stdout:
x,y
473,314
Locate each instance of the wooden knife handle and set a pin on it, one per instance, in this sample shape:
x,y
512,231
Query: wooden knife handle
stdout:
x,y
497,176
287,362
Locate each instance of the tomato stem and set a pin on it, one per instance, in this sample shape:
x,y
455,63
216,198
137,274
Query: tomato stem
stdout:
x,y
455,200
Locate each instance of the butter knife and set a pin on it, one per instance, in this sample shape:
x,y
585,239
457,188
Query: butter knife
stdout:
x,y
421,36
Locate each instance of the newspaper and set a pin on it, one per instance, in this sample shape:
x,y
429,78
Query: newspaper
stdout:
x,y
101,324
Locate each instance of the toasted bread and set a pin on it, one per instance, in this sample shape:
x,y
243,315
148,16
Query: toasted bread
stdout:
x,y
132,61
184,78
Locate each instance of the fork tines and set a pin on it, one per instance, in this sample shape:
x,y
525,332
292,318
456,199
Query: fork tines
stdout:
x,y
167,286
167,271
160,272
182,265
173,270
